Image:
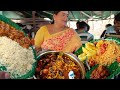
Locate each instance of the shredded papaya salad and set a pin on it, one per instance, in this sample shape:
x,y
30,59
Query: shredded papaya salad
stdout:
x,y
102,52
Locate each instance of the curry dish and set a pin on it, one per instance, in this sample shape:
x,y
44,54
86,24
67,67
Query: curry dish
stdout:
x,y
56,66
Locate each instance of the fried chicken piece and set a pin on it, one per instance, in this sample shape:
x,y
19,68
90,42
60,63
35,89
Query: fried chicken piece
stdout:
x,y
100,72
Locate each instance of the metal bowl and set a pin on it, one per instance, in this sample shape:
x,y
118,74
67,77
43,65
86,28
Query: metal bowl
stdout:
x,y
70,55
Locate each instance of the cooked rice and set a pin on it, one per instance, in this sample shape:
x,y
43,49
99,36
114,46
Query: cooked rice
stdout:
x,y
17,60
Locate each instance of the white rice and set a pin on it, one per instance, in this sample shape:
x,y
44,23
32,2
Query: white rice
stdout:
x,y
16,59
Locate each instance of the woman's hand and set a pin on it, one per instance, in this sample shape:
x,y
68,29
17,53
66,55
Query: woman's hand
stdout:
x,y
4,75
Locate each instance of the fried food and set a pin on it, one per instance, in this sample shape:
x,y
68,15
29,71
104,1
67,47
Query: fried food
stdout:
x,y
14,34
101,72
55,66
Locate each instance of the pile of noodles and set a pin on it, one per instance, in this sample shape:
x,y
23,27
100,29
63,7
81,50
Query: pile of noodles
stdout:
x,y
109,56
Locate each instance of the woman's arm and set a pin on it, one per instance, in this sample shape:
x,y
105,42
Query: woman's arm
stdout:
x,y
39,38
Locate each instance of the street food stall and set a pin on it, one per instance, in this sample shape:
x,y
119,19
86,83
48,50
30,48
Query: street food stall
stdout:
x,y
97,59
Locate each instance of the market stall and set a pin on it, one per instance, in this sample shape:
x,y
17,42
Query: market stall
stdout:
x,y
17,56
97,59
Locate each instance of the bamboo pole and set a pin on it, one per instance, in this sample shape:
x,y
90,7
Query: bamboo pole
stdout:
x,y
33,16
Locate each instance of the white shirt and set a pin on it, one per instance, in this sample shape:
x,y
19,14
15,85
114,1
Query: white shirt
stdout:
x,y
85,37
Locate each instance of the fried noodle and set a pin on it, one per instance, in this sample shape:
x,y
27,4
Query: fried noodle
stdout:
x,y
109,56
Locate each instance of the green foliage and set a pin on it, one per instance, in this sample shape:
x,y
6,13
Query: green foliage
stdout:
x,y
88,73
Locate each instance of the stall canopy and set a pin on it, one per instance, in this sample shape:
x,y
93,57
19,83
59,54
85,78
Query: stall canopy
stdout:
x,y
74,15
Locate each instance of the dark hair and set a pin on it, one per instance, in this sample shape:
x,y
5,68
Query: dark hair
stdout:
x,y
19,24
117,17
107,25
83,24
54,12
78,22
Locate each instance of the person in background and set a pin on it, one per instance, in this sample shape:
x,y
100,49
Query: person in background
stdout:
x,y
82,30
26,29
103,33
115,29
107,25
23,27
57,36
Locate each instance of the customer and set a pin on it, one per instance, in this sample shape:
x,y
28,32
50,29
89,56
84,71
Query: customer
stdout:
x,y
82,30
58,36
103,33
115,29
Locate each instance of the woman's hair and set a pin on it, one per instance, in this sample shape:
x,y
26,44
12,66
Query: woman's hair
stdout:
x,y
54,12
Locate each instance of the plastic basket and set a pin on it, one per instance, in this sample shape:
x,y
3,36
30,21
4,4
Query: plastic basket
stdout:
x,y
2,68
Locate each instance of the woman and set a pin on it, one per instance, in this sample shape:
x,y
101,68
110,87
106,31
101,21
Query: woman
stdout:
x,y
58,36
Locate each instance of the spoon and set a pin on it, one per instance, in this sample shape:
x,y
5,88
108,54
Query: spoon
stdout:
x,y
86,62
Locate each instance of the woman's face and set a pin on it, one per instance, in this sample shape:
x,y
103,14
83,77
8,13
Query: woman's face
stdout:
x,y
61,18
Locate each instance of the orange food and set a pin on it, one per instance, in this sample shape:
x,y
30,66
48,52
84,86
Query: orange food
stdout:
x,y
14,34
118,59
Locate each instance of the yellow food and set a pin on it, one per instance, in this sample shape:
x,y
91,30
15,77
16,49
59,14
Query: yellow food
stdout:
x,y
89,52
112,51
86,51
99,43
90,46
109,56
82,56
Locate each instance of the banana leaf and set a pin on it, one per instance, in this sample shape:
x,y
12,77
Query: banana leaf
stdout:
x,y
114,68
88,73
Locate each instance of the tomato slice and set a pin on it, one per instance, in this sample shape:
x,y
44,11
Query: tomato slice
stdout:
x,y
118,59
103,48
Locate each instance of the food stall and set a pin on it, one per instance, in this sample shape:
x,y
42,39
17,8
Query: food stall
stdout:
x,y
97,59
17,55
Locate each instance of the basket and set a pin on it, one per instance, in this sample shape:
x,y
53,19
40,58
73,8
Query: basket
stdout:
x,y
3,68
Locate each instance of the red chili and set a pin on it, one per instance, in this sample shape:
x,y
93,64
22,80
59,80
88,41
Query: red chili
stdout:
x,y
103,48
118,59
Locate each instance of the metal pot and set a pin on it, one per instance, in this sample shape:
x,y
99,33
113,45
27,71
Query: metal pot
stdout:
x,y
70,55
